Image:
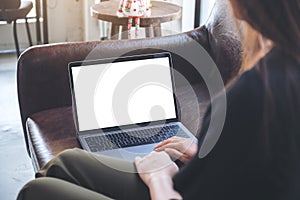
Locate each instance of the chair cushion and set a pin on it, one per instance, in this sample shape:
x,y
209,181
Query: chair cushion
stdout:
x,y
52,131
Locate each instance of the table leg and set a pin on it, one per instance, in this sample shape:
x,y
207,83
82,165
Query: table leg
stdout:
x,y
124,34
157,30
114,31
149,31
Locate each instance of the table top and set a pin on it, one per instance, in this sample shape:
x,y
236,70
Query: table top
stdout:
x,y
161,12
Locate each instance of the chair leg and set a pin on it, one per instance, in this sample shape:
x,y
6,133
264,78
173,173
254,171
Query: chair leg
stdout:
x,y
16,37
28,32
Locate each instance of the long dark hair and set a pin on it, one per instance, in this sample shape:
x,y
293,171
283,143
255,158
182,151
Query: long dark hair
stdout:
x,y
278,21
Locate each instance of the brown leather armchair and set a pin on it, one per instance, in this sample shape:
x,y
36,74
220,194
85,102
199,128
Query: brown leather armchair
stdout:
x,y
44,91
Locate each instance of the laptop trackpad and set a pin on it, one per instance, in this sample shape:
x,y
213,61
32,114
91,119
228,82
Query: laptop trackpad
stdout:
x,y
130,153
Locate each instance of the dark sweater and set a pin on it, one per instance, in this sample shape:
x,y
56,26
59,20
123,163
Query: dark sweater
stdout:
x,y
257,155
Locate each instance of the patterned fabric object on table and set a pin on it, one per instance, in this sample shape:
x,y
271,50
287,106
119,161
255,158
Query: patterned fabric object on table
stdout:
x,y
134,9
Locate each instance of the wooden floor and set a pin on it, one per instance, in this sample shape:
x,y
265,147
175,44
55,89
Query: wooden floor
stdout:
x,y
16,168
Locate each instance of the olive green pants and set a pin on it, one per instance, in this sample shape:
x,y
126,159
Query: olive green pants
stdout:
x,y
76,174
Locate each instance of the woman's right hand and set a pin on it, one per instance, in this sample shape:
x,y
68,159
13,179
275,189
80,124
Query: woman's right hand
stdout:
x,y
179,148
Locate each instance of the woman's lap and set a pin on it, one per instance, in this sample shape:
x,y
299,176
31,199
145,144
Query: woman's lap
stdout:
x,y
105,175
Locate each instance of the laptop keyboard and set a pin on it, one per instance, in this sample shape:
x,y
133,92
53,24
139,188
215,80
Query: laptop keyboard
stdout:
x,y
132,138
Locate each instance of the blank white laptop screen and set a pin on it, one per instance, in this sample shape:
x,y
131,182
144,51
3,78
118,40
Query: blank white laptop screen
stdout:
x,y
123,93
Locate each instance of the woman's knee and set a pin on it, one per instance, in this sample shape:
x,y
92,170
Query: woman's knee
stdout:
x,y
59,164
51,188
70,154
36,188
67,156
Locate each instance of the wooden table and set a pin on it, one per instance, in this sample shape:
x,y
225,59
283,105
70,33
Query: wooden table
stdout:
x,y
161,12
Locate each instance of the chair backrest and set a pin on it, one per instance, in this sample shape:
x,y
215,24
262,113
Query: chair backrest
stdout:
x,y
5,5
9,4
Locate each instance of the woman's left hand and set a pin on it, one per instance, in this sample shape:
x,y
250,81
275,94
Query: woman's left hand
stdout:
x,y
179,148
156,165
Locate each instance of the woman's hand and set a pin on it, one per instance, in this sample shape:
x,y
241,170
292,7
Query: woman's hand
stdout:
x,y
179,148
157,170
155,165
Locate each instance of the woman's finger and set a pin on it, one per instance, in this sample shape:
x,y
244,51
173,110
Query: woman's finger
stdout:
x,y
179,146
173,153
177,155
167,141
164,142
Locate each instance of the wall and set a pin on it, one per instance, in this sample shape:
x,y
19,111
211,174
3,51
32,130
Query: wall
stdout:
x,y
206,7
65,21
91,25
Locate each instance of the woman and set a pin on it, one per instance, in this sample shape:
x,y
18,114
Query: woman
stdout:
x,y
257,155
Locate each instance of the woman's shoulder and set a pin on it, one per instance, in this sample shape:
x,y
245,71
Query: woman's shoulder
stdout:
x,y
277,60
273,67
247,83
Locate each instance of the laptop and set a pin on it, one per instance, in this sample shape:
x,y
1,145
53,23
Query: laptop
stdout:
x,y
124,106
